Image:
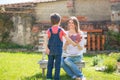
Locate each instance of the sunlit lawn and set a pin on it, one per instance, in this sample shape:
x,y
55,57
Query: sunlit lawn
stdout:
x,y
23,66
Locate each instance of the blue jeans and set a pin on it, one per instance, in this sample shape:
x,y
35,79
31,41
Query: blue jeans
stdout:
x,y
51,59
68,64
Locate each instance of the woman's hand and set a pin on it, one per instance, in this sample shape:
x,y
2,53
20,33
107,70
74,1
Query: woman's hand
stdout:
x,y
79,47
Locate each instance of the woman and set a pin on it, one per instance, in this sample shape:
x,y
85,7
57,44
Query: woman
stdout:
x,y
75,52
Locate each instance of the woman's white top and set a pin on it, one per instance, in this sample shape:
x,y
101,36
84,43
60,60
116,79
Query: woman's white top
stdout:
x,y
73,50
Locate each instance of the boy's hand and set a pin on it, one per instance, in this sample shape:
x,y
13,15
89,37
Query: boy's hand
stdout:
x,y
66,43
65,46
47,51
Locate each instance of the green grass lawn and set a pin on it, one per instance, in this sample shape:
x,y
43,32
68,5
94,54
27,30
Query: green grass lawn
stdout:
x,y
23,66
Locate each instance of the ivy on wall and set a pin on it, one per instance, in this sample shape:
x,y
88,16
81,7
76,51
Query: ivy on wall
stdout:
x,y
6,25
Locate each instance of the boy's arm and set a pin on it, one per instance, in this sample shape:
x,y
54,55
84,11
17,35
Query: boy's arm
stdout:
x,y
65,45
70,41
46,43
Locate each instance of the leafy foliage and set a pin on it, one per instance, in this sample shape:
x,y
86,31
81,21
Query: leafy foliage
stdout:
x,y
6,25
113,40
110,64
114,35
118,59
10,45
95,60
116,56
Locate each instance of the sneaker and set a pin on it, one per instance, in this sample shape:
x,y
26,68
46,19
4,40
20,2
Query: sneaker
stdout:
x,y
83,78
78,78
73,77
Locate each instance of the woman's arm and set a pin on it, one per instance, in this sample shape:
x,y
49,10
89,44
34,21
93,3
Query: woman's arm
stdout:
x,y
79,47
69,41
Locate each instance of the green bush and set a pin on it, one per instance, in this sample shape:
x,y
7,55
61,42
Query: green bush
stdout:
x,y
113,41
95,60
98,60
110,64
118,59
8,45
116,56
114,35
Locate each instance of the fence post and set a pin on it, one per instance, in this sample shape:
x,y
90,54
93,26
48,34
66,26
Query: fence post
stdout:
x,y
88,41
103,41
93,41
98,42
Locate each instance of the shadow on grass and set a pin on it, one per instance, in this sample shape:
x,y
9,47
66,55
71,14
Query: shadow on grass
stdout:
x,y
65,77
93,54
89,55
39,76
20,52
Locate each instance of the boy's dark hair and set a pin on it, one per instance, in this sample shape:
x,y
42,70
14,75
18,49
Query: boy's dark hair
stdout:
x,y
55,18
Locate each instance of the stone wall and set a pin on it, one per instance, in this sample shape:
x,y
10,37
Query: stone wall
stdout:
x,y
92,9
115,13
21,33
5,27
43,10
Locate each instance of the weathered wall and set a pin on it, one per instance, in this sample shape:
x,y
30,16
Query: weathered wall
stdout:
x,y
21,33
92,9
5,27
115,7
43,10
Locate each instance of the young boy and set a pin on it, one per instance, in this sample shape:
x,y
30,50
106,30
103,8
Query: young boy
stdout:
x,y
54,46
